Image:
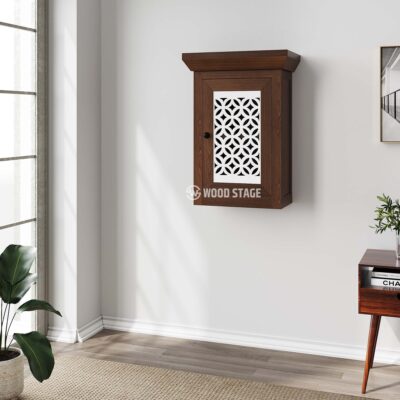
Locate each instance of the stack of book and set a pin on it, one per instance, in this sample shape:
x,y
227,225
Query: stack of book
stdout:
x,y
385,279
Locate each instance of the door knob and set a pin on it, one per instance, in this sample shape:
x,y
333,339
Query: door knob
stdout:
x,y
206,135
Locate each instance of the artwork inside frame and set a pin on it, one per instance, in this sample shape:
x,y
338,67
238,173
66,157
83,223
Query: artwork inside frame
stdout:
x,y
390,94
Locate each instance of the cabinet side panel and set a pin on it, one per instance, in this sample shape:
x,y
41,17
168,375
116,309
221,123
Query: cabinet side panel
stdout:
x,y
286,139
276,155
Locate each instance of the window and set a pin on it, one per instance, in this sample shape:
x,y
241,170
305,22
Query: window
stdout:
x,y
23,133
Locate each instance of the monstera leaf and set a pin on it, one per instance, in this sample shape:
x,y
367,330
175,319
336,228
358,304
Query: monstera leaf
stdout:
x,y
12,294
37,350
16,262
15,279
35,305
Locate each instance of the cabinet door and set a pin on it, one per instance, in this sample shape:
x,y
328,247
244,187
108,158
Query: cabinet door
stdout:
x,y
234,136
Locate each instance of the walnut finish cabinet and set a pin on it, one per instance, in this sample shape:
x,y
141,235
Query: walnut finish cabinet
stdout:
x,y
243,127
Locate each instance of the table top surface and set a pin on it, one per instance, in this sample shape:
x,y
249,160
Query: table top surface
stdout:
x,y
380,258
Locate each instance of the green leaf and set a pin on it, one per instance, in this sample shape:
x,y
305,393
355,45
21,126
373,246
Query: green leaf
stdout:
x,y
34,305
37,350
13,294
5,290
15,263
387,215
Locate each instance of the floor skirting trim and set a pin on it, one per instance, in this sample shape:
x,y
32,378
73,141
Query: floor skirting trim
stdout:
x,y
89,330
82,334
250,340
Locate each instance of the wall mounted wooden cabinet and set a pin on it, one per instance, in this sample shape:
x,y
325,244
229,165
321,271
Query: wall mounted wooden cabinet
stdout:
x,y
242,127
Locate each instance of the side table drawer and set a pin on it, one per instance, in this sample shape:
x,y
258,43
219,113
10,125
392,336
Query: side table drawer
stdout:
x,y
379,302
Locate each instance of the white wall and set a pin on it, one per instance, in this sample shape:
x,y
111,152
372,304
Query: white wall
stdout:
x,y
89,165
74,105
63,166
244,275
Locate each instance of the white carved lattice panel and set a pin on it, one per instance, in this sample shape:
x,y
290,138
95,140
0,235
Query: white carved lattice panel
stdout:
x,y
237,137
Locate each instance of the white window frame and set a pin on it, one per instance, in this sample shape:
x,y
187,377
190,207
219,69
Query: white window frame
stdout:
x,y
42,157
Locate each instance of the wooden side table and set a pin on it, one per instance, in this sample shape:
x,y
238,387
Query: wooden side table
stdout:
x,y
376,301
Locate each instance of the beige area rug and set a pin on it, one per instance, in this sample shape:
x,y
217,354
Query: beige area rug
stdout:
x,y
78,378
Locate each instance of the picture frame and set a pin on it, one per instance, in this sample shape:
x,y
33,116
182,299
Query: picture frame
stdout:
x,y
390,94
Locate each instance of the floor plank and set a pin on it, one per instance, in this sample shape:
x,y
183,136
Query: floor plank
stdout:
x,y
284,368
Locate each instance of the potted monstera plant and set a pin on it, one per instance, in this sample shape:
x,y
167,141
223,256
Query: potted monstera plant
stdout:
x,y
15,281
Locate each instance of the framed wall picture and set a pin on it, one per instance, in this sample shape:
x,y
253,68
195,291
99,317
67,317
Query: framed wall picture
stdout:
x,y
390,94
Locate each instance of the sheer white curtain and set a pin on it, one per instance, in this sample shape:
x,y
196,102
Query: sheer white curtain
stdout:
x,y
18,136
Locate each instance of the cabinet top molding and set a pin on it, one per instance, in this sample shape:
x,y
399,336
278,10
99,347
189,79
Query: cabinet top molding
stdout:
x,y
242,60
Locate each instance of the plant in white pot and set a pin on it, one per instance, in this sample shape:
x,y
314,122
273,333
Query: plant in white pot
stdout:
x,y
387,217
15,281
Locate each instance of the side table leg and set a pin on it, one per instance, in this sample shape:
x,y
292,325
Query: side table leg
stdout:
x,y
372,339
378,324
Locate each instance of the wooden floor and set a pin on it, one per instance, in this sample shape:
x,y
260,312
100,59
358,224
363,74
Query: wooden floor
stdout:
x,y
290,369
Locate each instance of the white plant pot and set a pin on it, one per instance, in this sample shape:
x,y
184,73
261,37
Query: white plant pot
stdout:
x,y
12,377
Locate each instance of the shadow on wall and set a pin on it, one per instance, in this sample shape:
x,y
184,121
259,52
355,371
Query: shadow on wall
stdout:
x,y
145,261
395,327
113,248
305,81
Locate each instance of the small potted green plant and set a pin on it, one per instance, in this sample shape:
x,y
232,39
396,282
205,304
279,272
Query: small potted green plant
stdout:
x,y
387,217
15,281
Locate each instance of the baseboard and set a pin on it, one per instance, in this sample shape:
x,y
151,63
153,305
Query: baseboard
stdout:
x,y
72,336
55,334
90,329
249,340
